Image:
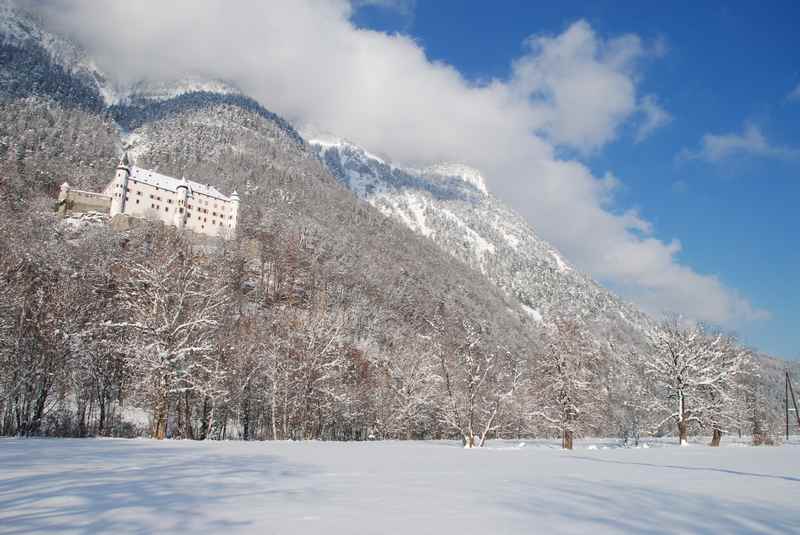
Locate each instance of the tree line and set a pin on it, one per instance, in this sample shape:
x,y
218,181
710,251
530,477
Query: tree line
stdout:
x,y
250,339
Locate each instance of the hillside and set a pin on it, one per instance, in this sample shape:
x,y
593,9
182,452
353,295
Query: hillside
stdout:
x,y
450,205
360,298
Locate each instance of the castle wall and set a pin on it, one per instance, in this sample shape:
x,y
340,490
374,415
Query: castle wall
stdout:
x,y
85,201
210,216
202,214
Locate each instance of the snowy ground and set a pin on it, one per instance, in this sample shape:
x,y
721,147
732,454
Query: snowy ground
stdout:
x,y
146,486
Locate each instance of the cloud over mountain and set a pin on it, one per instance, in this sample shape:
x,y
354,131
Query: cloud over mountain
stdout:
x,y
306,60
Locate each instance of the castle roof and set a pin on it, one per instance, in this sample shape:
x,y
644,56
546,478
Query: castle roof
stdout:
x,y
171,184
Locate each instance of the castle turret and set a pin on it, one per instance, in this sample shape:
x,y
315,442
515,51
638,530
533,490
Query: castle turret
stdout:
x,y
235,208
181,196
120,188
63,198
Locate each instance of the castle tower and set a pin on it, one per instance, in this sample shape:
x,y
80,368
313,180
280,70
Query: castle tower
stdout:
x,y
63,197
235,207
181,196
120,189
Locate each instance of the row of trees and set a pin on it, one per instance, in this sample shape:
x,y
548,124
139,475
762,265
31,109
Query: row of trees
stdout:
x,y
247,339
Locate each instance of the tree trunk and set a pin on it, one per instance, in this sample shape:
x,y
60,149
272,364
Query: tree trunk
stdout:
x,y
210,422
81,419
715,438
160,417
272,420
566,441
188,431
683,432
101,424
203,428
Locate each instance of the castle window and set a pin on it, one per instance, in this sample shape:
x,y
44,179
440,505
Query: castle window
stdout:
x,y
214,214
180,210
169,201
151,195
138,193
166,209
158,198
137,201
152,206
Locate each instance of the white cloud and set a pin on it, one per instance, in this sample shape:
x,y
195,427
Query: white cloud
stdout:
x,y
305,60
579,86
751,142
654,117
794,94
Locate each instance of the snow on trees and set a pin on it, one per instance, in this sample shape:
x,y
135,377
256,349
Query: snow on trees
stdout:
x,y
697,375
174,306
565,393
86,315
479,384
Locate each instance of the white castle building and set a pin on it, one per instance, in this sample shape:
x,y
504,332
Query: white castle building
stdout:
x,y
144,194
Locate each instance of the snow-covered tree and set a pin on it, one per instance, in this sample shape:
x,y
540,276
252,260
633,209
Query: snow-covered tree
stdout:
x,y
565,391
174,306
479,383
697,376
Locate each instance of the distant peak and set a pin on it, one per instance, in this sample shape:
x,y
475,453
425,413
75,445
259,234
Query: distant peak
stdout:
x,y
328,141
468,174
166,90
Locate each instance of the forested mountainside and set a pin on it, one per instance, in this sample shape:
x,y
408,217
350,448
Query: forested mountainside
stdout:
x,y
449,204
325,318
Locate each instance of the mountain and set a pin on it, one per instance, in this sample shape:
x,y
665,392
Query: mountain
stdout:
x,y
403,265
209,131
450,205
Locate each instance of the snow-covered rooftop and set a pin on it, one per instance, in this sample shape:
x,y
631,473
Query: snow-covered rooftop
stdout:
x,y
171,184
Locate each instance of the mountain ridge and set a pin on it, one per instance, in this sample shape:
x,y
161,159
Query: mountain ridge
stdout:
x,y
450,204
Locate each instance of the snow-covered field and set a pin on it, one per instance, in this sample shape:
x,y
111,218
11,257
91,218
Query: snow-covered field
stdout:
x,y
146,486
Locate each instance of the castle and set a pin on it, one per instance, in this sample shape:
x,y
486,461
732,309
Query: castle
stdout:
x,y
144,194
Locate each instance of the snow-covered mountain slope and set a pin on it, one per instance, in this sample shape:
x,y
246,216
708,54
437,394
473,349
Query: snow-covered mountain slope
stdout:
x,y
21,31
450,204
290,202
165,90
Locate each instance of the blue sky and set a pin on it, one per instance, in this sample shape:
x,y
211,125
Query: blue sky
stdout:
x,y
726,69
